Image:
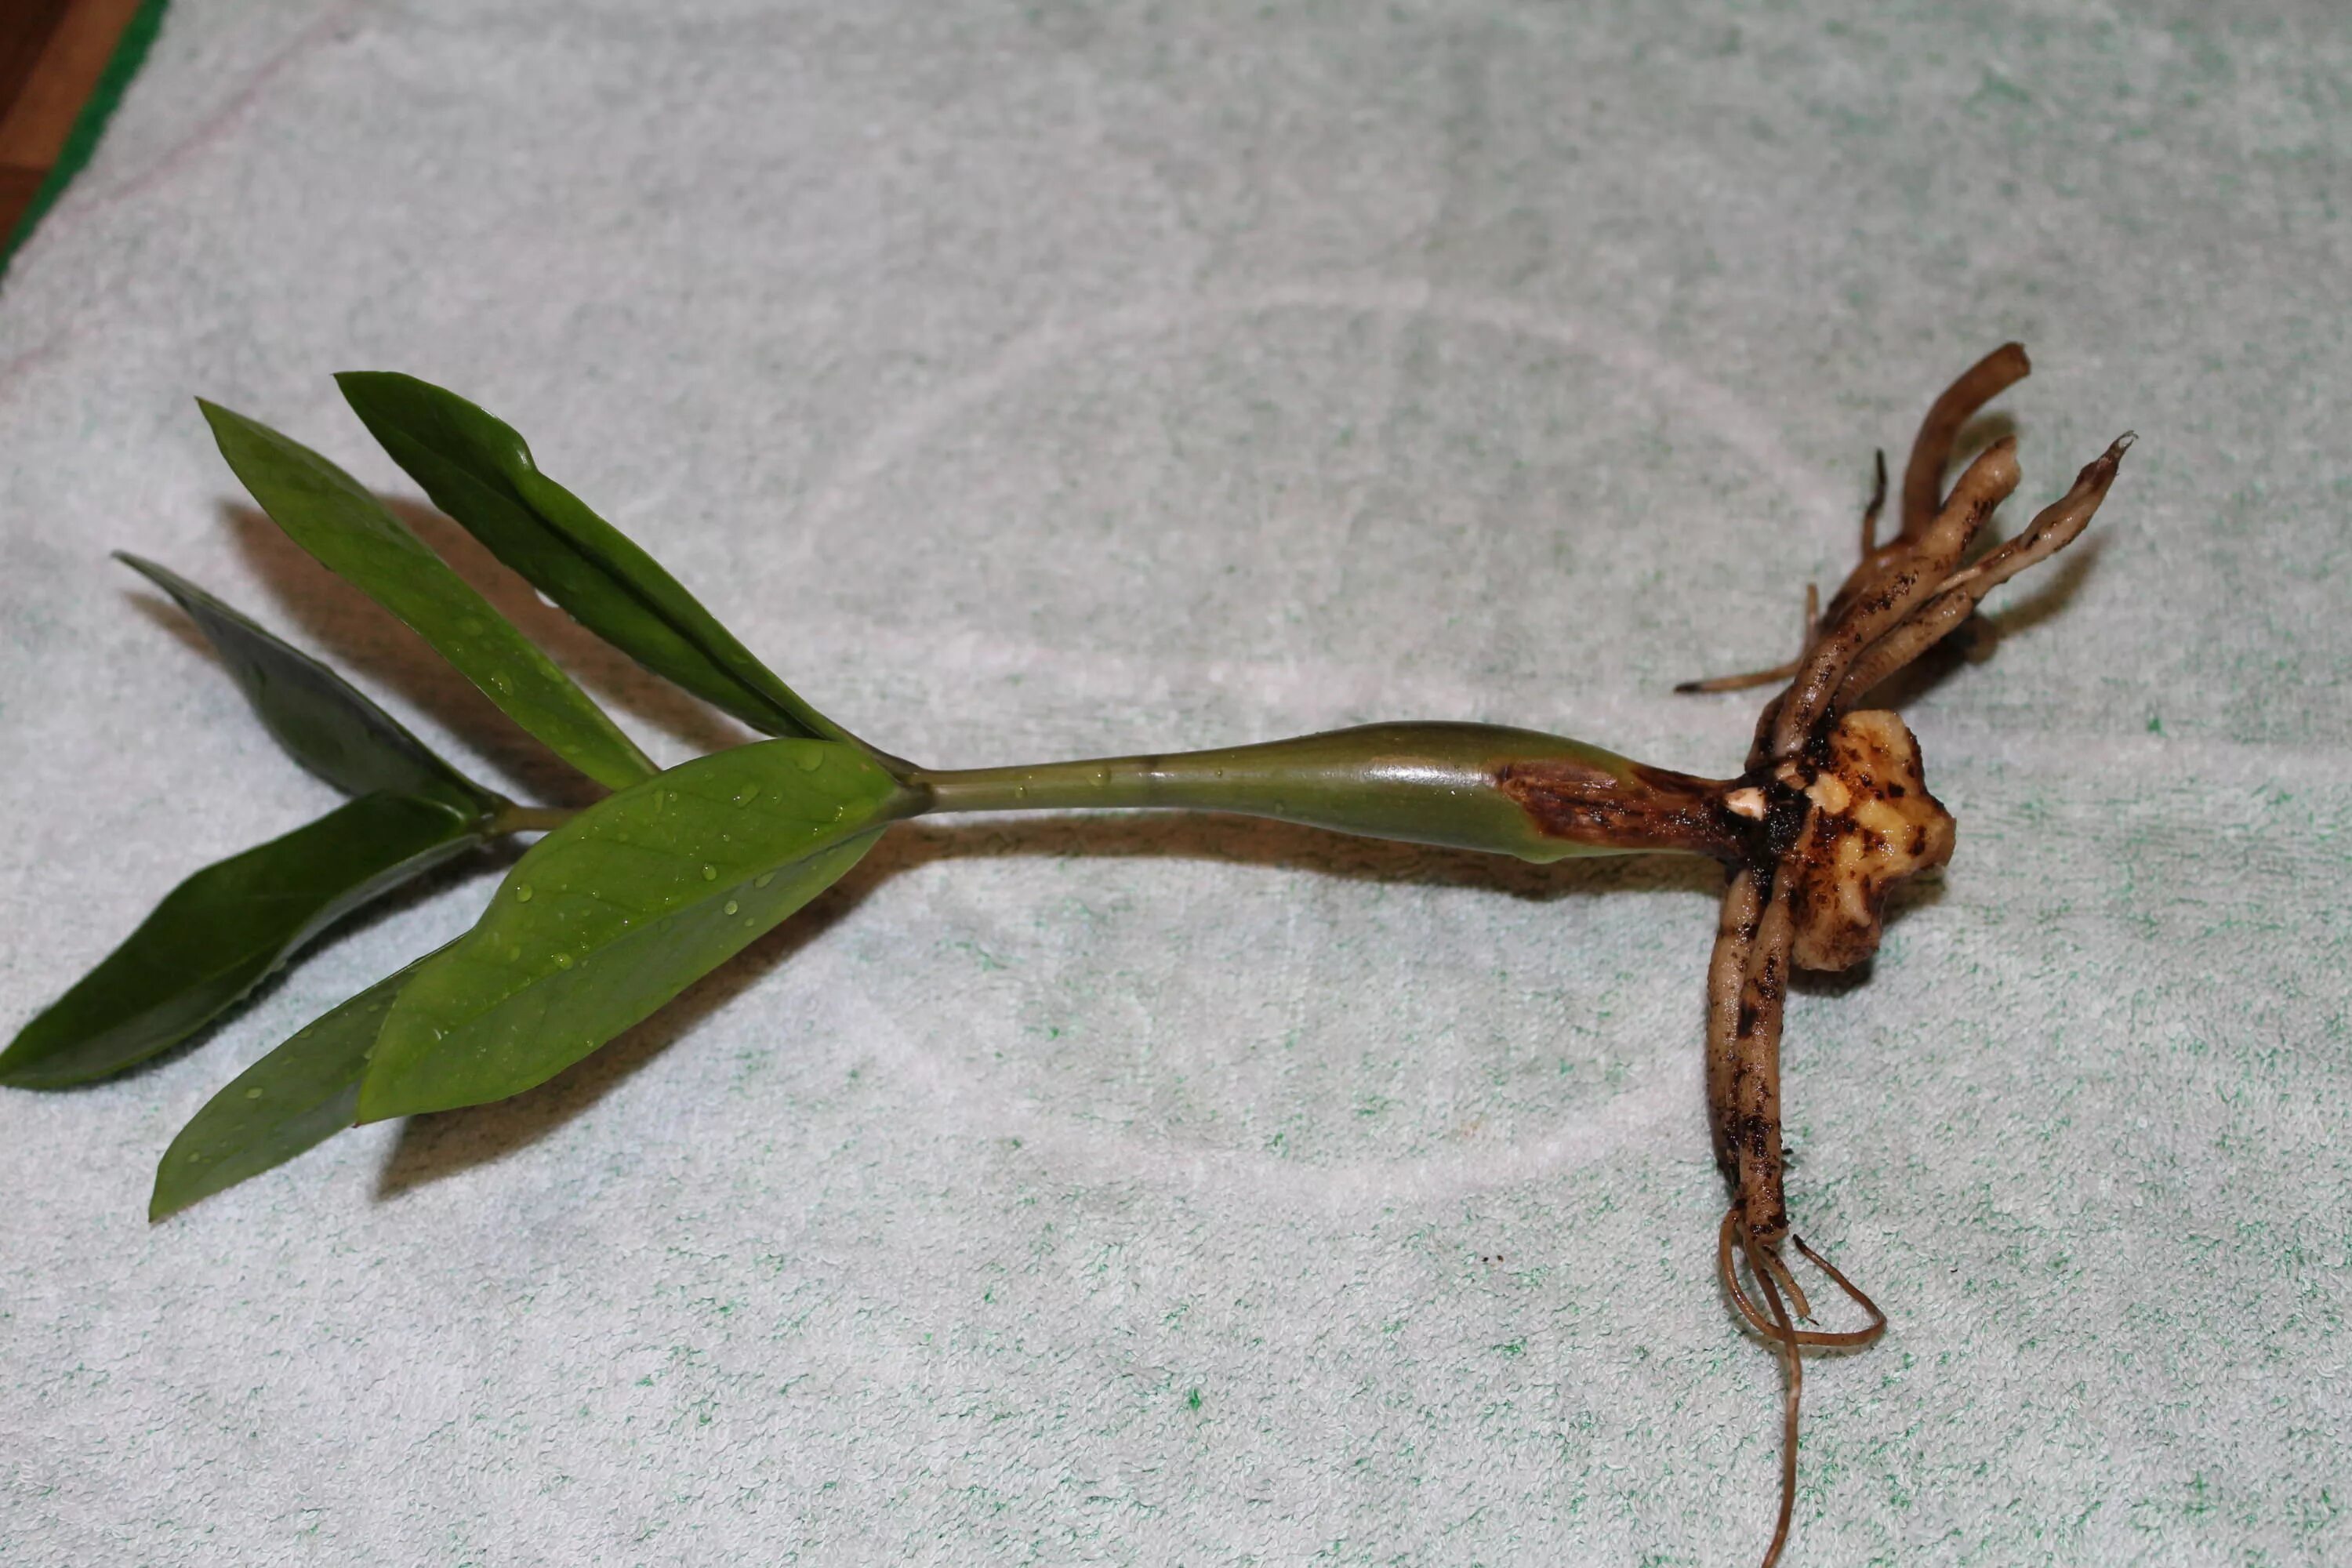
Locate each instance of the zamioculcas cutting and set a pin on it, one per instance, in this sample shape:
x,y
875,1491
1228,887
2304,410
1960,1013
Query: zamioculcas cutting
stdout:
x,y
619,907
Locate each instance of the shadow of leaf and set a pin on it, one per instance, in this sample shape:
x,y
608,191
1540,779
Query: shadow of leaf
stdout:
x,y
444,1145
612,676
493,857
346,628
344,623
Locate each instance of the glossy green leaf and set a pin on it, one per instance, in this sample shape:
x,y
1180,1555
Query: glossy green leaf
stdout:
x,y
294,1099
477,470
323,722
619,909
333,517
218,933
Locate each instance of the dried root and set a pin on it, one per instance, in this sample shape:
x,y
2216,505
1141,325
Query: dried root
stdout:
x,y
1836,813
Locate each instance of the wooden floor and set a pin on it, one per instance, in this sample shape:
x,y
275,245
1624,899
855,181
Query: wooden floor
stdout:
x,y
52,53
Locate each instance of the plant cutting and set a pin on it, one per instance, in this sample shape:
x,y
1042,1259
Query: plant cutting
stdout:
x,y
619,906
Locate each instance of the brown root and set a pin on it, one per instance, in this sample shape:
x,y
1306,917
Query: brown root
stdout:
x,y
1790,1411
1931,449
1878,504
1787,1281
1853,1339
1726,971
1907,595
1831,812
1886,599
1741,682
1774,1322
1812,621
1747,1115
2055,526
1734,1239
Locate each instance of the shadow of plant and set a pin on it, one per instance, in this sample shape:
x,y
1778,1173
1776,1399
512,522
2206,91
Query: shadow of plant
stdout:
x,y
433,1147
361,635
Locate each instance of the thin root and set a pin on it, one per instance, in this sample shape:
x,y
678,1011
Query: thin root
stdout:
x,y
1787,1334
1788,1283
1773,1322
1741,682
1734,1239
1877,503
1754,677
1779,672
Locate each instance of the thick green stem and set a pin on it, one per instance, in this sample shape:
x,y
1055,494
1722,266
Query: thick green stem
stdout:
x,y
1466,786
513,818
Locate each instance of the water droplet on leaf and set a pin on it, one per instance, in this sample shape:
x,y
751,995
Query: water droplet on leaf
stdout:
x,y
522,892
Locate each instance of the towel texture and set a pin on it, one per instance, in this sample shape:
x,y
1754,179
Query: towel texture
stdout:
x,y
1030,380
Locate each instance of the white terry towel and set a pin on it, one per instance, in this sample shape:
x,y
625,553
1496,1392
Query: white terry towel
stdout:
x,y
1035,380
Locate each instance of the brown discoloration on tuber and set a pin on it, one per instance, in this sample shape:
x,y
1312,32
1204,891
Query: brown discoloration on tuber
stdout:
x,y
1872,825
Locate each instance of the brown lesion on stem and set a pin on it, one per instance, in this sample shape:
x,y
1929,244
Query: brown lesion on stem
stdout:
x,y
1832,813
1645,808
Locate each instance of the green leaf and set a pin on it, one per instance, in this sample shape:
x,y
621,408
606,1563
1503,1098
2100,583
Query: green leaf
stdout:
x,y
322,722
294,1099
478,470
619,909
333,517
217,934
